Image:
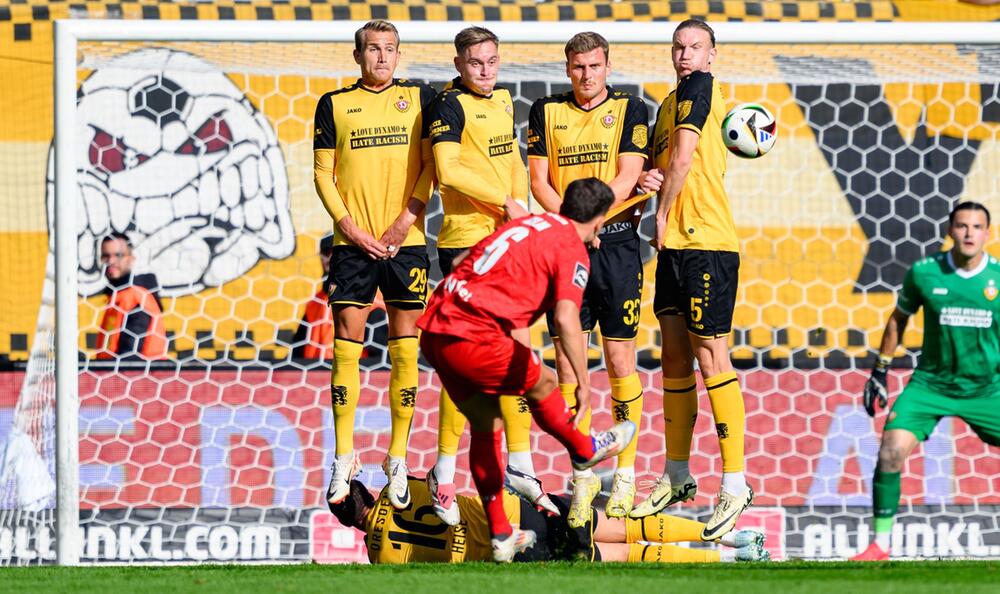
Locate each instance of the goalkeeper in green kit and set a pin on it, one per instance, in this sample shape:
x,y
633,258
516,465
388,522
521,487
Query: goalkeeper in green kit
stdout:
x,y
958,373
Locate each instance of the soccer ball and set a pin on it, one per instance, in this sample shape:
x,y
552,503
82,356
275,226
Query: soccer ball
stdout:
x,y
749,130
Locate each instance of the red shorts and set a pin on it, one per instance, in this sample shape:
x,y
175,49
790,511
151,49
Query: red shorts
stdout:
x,y
497,365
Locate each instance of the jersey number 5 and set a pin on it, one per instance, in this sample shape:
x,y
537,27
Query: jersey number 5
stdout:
x,y
696,311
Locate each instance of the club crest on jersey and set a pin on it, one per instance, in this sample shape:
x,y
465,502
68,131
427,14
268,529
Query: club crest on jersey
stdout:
x,y
608,120
639,136
684,110
509,109
581,275
990,292
402,105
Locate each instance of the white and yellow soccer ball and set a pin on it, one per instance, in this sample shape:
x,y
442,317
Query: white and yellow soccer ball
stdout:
x,y
749,130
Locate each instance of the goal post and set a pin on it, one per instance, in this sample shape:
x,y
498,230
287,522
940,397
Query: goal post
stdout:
x,y
768,244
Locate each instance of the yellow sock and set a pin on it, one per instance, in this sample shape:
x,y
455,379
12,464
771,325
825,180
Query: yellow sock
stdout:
x,y
345,390
638,553
516,423
403,380
451,425
662,528
680,411
568,392
626,404
730,418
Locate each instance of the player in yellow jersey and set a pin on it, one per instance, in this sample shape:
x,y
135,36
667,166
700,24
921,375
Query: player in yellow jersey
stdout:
x,y
482,183
417,535
374,173
598,131
696,277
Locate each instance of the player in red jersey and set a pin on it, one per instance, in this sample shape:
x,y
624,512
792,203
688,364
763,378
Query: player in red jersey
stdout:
x,y
507,281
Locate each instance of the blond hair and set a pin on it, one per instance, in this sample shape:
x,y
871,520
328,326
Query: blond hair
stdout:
x,y
471,36
376,26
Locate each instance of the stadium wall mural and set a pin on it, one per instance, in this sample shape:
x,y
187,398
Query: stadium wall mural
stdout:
x,y
200,209
856,189
223,453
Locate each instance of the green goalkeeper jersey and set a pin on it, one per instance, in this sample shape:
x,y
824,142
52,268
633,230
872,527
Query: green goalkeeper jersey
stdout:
x,y
961,350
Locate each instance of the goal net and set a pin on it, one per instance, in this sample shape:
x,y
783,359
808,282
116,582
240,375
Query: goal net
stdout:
x,y
201,152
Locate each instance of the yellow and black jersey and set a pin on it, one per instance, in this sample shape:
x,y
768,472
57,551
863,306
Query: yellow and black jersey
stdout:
x,y
417,535
700,218
580,143
477,160
368,154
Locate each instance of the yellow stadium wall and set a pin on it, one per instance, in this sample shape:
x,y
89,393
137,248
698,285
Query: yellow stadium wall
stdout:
x,y
797,277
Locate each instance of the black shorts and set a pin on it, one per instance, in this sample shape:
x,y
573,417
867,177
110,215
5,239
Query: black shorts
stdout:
x,y
354,277
614,292
556,540
699,285
445,257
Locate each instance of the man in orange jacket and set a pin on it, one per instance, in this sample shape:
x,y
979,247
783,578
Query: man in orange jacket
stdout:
x,y
132,322
314,336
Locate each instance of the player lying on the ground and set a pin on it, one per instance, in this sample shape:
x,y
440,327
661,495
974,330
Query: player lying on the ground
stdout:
x,y
416,534
507,281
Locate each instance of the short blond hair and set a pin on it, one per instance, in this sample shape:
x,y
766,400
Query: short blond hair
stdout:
x,y
587,41
471,36
376,26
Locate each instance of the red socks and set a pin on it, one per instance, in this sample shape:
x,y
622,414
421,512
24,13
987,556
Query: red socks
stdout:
x,y
554,418
485,460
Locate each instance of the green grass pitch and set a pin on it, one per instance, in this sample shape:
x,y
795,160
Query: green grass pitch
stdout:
x,y
964,577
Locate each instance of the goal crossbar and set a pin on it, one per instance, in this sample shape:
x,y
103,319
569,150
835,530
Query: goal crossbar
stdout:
x,y
68,33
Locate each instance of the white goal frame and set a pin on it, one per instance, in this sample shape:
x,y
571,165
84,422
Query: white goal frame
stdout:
x,y
68,33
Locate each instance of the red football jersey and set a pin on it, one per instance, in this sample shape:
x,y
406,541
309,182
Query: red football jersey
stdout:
x,y
510,278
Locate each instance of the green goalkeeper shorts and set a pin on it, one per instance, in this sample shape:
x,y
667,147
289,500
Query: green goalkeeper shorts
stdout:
x,y
919,408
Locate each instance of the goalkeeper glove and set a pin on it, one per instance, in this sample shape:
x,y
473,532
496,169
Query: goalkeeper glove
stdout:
x,y
877,386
